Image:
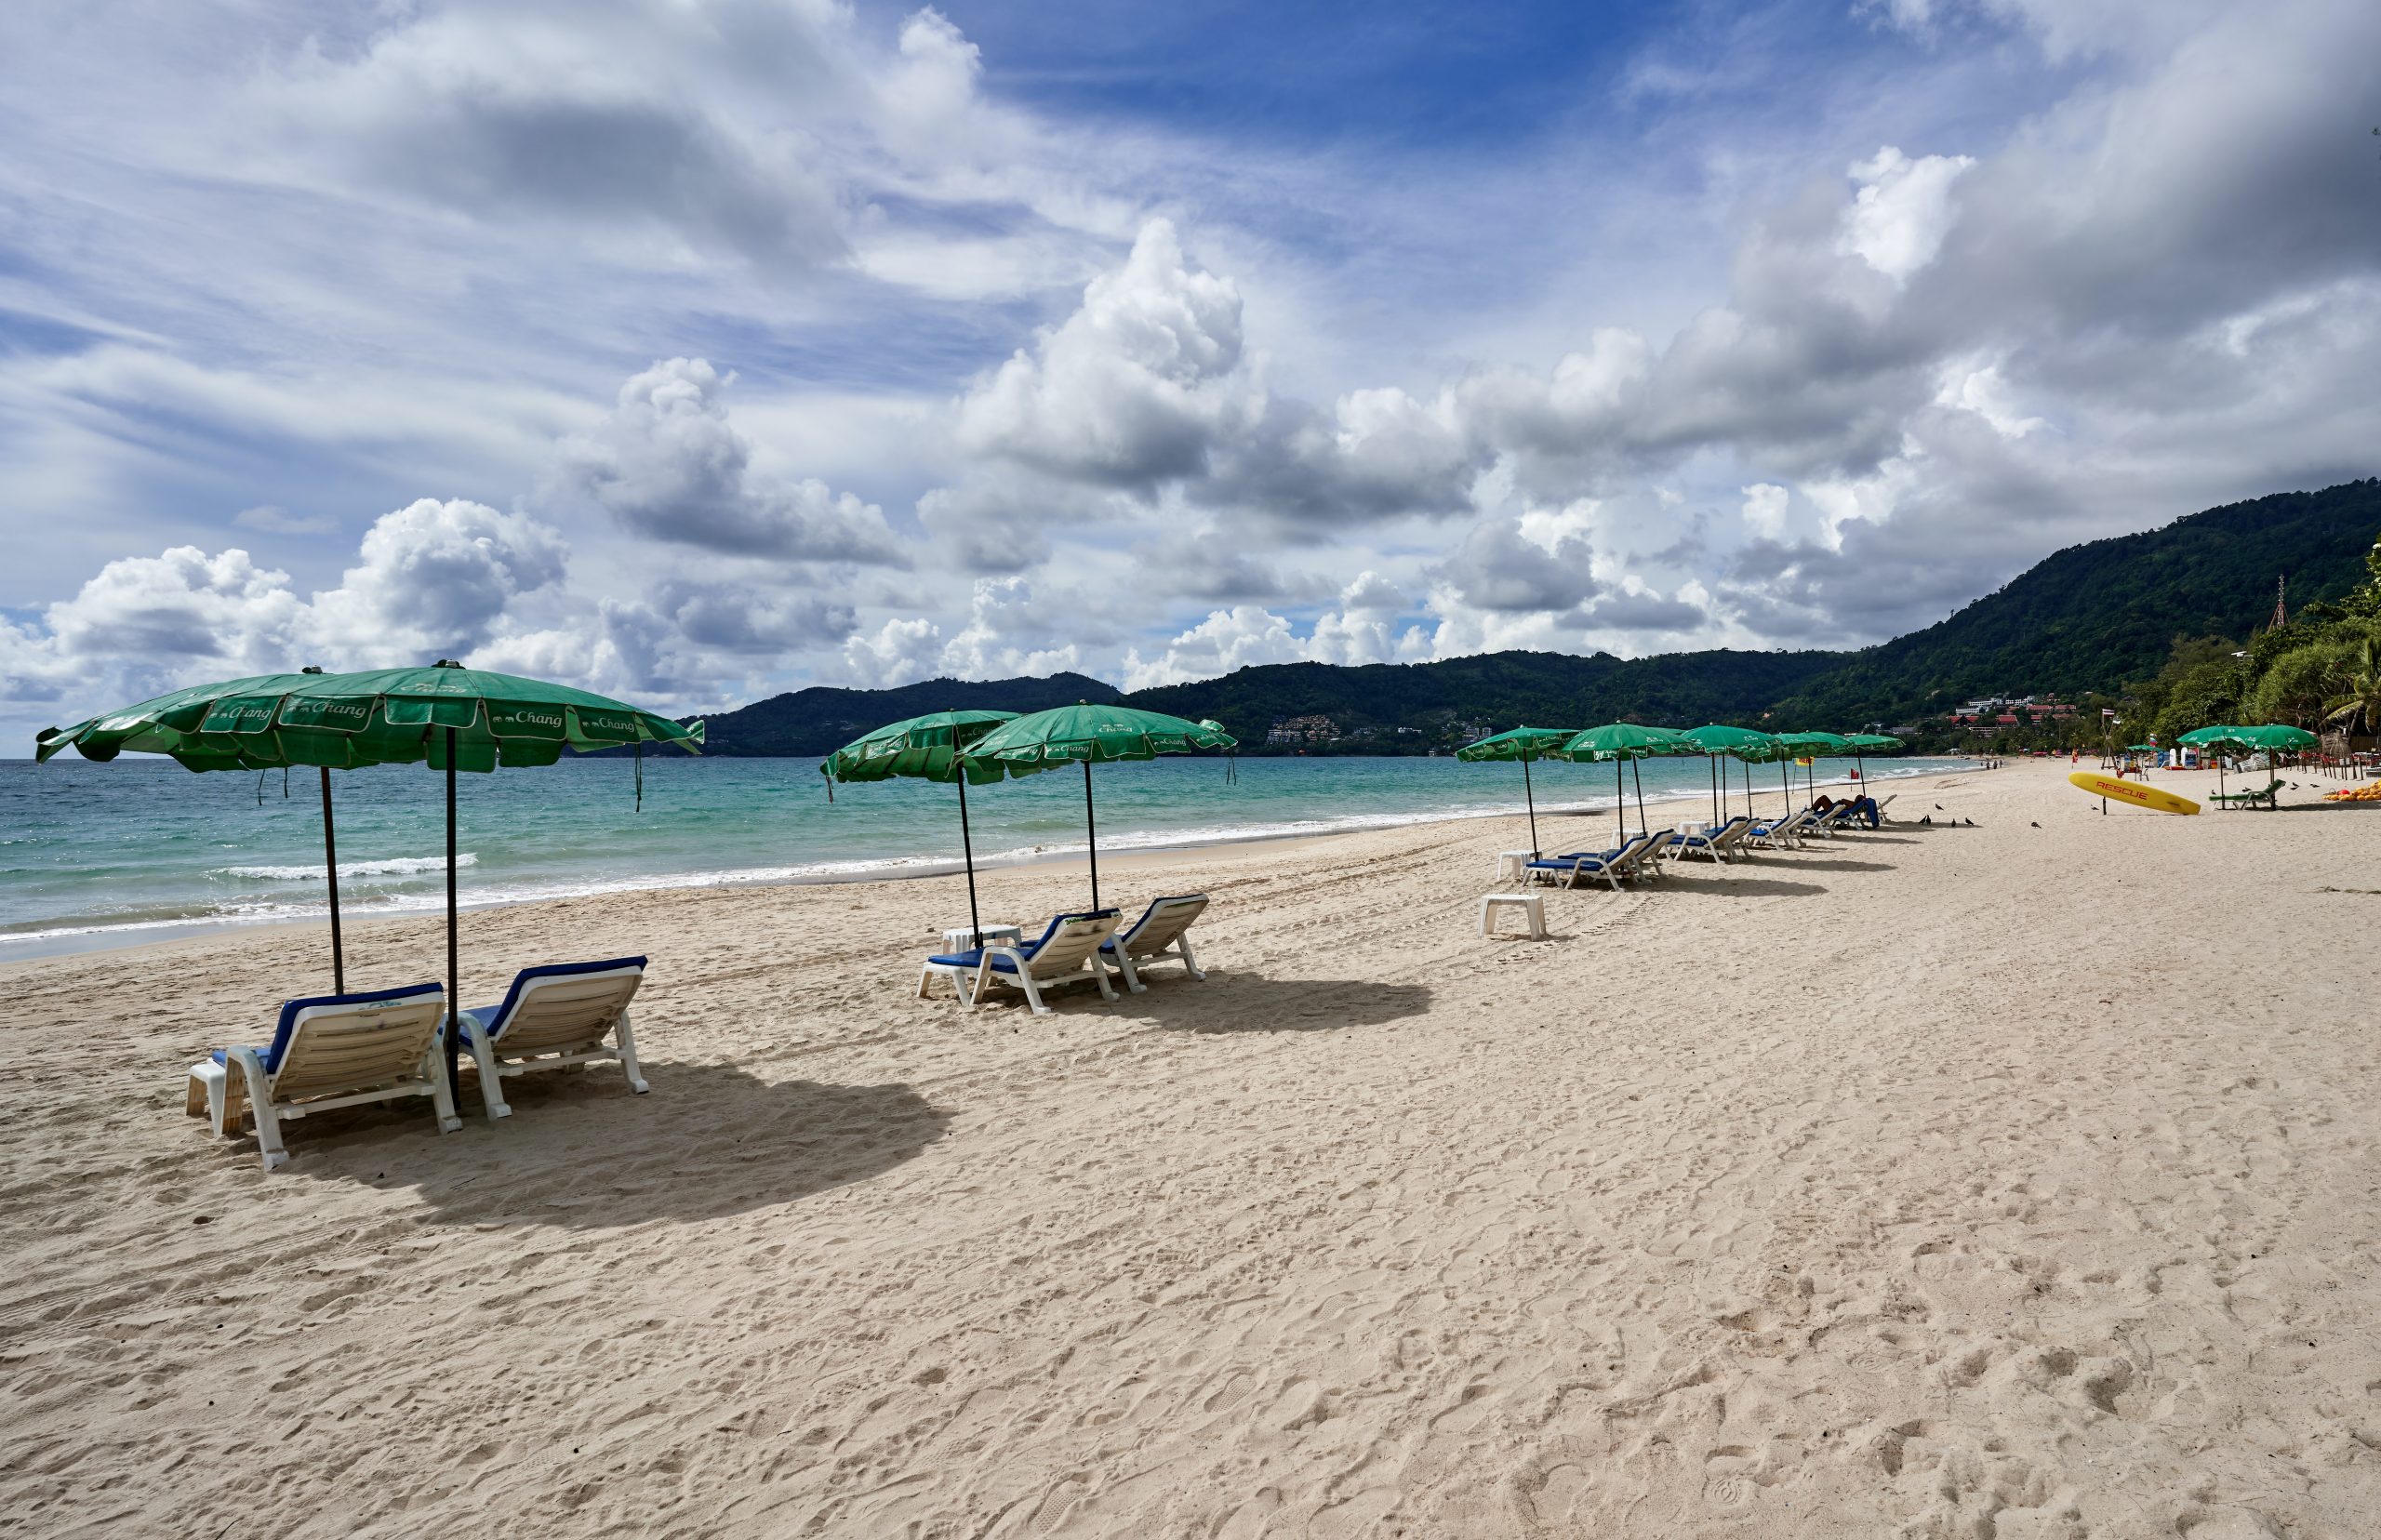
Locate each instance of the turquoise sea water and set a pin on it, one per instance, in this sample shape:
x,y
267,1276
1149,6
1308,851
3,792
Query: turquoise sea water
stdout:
x,y
140,849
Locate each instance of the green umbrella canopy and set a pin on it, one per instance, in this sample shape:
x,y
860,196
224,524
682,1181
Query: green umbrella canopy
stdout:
x,y
2276,735
2140,748
1524,744
383,716
2214,733
1088,735
1084,734
1518,743
1874,743
1620,740
927,747
1816,744
1743,743
161,726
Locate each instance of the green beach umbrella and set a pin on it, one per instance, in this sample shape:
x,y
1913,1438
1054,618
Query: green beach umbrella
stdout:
x,y
1744,744
1086,735
446,716
168,725
1524,744
927,747
2279,735
1619,742
2218,736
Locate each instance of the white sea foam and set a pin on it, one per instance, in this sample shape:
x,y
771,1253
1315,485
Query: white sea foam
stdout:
x,y
258,909
395,866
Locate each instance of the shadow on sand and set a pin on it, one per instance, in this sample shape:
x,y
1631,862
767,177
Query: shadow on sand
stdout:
x,y
580,1152
1235,1001
1741,887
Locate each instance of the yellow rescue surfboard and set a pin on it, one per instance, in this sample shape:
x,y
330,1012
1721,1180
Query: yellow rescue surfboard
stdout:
x,y
2134,792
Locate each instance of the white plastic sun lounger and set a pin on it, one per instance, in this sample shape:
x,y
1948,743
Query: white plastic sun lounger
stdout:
x,y
1162,931
556,1017
1717,844
1773,833
328,1051
1570,869
1063,954
1648,861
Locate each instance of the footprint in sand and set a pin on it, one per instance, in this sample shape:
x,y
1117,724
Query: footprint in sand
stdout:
x,y
1057,1504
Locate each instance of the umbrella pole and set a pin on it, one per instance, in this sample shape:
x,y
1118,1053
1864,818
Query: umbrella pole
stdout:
x,y
330,866
1638,775
967,844
1531,796
454,980
1715,767
1620,806
1785,787
1091,831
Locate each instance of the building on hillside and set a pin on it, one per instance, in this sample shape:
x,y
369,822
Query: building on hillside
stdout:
x,y
1301,732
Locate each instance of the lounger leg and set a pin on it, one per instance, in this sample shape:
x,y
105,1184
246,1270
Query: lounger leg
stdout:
x,y
491,1078
1099,976
627,1057
925,977
1132,974
1183,943
971,998
1032,993
259,1106
442,1097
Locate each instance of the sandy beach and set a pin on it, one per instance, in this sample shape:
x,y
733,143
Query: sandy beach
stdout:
x,y
2013,1180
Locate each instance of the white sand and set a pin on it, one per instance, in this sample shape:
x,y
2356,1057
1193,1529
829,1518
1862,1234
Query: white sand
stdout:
x,y
2004,1181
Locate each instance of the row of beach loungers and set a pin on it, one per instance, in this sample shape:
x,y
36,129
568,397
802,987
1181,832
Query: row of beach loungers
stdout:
x,y
1640,857
347,1050
1072,948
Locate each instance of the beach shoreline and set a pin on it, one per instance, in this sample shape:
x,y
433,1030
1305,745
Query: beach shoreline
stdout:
x,y
68,941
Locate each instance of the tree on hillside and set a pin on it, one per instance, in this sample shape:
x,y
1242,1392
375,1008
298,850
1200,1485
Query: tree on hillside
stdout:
x,y
2362,698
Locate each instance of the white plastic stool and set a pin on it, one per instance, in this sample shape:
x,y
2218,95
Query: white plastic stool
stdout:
x,y
1513,865
1532,906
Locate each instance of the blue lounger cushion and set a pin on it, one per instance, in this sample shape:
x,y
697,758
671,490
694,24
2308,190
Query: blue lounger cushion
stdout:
x,y
974,956
287,1028
494,1016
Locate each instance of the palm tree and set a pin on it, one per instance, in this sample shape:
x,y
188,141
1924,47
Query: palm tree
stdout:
x,y
2363,697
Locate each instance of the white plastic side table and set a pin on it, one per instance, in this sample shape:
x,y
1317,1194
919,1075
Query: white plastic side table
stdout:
x,y
1532,906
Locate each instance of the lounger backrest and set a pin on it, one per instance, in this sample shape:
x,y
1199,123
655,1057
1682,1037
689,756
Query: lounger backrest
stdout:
x,y
1162,922
564,1004
1069,940
334,1042
1627,851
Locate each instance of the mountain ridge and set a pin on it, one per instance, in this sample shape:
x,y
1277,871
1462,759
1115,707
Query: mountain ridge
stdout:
x,y
2092,616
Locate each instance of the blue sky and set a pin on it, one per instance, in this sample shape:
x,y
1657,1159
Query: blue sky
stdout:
x,y
693,351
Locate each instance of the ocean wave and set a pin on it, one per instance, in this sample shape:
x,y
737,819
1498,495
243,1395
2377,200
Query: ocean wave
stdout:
x,y
394,866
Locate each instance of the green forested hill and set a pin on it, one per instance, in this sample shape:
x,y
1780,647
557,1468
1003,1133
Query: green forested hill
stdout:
x,y
1498,689
821,719
2097,617
2092,616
